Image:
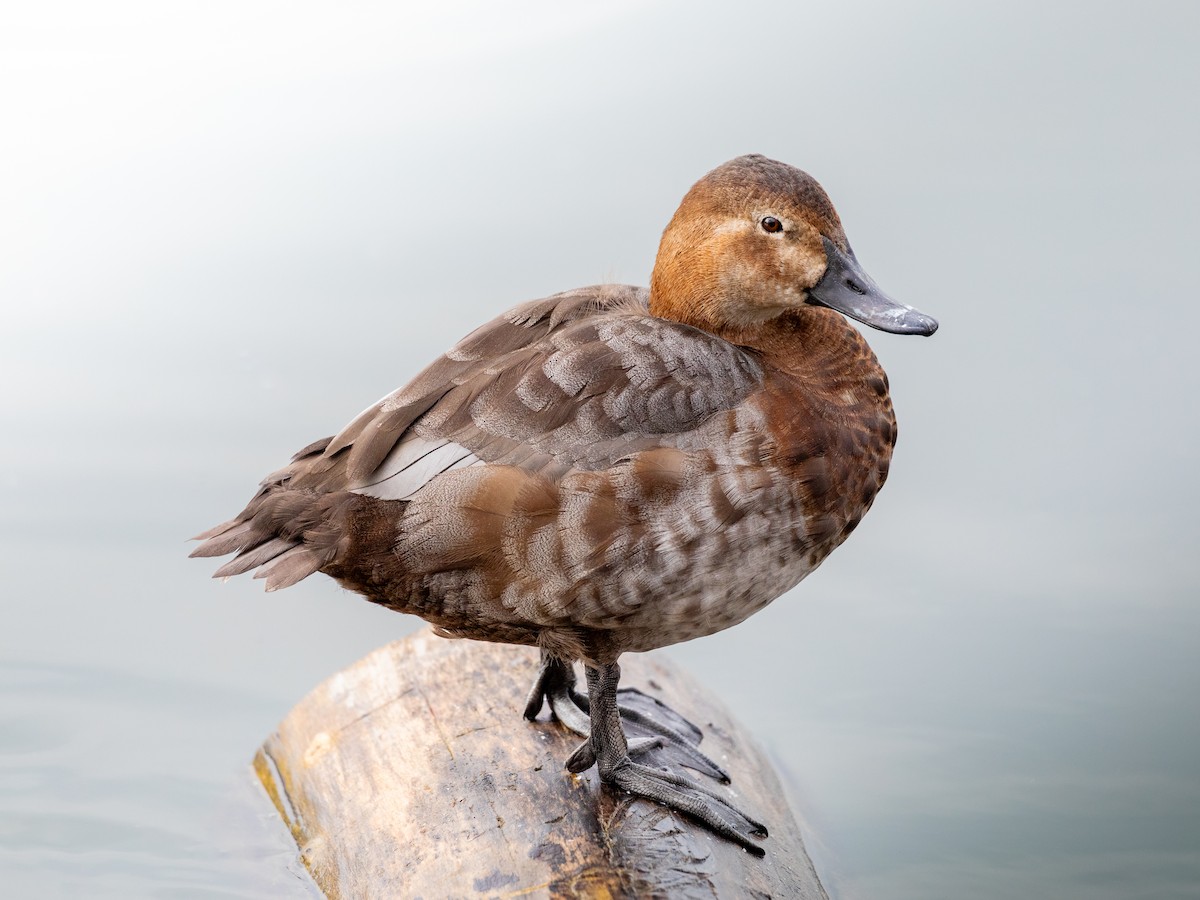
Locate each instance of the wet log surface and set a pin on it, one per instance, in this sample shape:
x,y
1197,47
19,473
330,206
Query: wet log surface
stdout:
x,y
413,774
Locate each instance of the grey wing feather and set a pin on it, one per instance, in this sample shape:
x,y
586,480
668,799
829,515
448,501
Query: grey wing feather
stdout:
x,y
576,381
412,463
373,434
583,394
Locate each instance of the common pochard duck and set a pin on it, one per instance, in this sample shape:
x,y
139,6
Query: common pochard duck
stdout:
x,y
613,468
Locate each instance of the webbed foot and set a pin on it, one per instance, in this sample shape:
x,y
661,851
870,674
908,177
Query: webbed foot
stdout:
x,y
608,747
684,795
650,723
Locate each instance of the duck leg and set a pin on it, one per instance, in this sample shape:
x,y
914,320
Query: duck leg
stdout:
x,y
654,724
608,747
555,684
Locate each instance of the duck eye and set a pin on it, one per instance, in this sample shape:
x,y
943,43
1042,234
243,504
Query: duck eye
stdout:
x,y
771,225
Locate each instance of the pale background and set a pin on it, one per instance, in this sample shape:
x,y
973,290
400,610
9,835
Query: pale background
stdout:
x,y
225,228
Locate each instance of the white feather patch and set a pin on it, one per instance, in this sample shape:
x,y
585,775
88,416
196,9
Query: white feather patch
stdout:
x,y
412,464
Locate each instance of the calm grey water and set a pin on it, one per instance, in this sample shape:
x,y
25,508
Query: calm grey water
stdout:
x,y
226,230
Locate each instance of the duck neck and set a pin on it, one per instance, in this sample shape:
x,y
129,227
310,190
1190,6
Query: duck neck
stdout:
x,y
783,333
689,285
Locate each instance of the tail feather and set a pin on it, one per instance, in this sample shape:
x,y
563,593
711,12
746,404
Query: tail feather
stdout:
x,y
294,565
226,538
285,530
252,558
213,532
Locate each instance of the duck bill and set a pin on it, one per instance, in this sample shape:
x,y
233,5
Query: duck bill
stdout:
x,y
846,288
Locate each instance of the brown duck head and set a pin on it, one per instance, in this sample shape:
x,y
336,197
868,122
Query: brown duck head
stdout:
x,y
755,238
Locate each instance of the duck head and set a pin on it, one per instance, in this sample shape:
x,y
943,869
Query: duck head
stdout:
x,y
755,238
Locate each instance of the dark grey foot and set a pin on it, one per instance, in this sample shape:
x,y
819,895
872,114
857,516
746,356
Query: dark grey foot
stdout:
x,y
610,750
652,725
555,684
686,796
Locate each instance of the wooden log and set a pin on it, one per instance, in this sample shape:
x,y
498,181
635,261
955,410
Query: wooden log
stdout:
x,y
413,774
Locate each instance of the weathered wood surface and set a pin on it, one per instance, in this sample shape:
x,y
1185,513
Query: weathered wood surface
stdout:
x,y
412,774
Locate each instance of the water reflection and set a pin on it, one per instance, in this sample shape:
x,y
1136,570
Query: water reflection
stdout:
x,y
108,788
